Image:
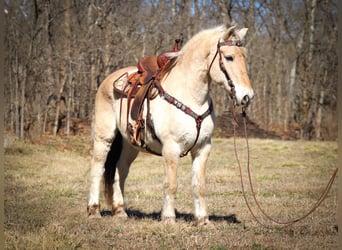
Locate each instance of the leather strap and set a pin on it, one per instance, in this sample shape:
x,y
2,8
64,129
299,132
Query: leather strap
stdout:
x,y
187,110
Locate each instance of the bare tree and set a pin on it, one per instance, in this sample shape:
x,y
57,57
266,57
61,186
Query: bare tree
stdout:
x,y
57,53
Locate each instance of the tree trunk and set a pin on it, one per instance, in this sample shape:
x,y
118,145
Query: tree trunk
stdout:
x,y
291,94
69,101
11,118
16,96
89,100
319,116
51,81
63,74
108,46
38,131
23,90
308,103
22,105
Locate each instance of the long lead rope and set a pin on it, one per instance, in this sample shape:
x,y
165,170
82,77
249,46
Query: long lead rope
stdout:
x,y
282,223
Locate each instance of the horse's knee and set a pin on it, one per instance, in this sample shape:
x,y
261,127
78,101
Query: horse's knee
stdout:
x,y
170,188
170,181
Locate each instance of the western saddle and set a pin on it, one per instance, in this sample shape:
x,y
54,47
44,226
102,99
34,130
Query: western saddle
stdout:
x,y
140,86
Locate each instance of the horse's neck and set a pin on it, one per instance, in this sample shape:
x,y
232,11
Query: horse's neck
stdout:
x,y
190,82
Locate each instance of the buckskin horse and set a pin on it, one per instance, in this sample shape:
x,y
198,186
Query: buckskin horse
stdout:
x,y
164,107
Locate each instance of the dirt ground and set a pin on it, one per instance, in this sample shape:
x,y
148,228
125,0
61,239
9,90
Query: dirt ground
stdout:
x,y
46,189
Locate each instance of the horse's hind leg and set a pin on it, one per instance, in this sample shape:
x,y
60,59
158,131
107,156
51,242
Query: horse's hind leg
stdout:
x,y
104,134
199,162
100,152
127,156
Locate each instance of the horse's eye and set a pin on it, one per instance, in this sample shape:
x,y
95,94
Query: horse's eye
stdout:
x,y
229,58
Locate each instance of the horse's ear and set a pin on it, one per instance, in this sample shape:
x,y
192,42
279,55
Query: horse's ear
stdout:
x,y
242,33
228,33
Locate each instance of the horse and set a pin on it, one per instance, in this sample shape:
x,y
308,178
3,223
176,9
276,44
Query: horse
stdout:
x,y
181,116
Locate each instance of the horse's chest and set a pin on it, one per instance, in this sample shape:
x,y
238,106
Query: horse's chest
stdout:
x,y
181,127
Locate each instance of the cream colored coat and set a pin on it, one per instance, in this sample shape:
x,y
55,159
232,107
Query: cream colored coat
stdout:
x,y
188,81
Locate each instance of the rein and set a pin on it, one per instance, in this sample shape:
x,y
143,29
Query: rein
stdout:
x,y
282,223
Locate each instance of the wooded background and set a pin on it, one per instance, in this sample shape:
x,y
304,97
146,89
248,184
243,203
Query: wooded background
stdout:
x,y
58,52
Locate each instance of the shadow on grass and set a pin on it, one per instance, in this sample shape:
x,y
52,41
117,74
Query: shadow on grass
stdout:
x,y
139,215
23,210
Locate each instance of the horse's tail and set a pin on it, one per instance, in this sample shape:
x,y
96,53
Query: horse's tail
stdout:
x,y
110,167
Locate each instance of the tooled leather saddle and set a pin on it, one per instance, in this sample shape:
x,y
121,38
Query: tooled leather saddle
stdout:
x,y
139,88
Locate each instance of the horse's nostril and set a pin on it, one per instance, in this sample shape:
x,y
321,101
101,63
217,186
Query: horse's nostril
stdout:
x,y
245,100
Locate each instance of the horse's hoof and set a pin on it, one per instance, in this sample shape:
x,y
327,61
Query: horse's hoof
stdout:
x,y
169,220
202,221
119,211
93,211
121,214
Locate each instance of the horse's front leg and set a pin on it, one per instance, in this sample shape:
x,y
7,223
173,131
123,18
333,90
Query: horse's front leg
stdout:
x,y
199,162
171,158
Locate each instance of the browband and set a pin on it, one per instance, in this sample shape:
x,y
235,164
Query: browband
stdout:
x,y
231,43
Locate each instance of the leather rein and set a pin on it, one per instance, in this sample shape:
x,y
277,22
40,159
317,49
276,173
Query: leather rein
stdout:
x,y
281,223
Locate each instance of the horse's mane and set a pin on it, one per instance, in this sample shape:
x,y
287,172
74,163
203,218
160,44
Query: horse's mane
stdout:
x,y
173,56
212,35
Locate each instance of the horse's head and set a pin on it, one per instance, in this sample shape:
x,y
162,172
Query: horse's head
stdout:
x,y
227,65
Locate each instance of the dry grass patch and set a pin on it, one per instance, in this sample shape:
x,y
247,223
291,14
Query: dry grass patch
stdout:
x,y
46,189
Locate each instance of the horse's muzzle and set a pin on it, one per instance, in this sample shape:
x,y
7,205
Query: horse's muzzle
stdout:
x,y
243,96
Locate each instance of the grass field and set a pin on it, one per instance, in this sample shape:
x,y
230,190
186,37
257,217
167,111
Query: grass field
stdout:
x,y
46,189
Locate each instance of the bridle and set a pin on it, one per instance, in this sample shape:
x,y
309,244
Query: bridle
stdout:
x,y
237,43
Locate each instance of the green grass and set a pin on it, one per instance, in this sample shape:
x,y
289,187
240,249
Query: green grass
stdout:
x,y
46,190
